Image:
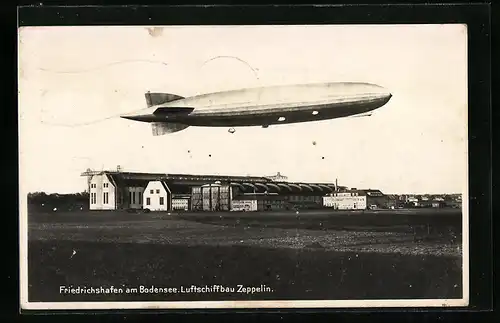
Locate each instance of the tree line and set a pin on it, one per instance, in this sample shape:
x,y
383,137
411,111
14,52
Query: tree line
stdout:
x,y
44,201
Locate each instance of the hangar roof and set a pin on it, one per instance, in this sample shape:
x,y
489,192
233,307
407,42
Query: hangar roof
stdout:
x,y
245,183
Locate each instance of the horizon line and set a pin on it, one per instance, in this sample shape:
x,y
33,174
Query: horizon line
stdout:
x,y
359,189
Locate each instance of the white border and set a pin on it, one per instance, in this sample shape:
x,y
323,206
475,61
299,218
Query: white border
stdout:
x,y
23,269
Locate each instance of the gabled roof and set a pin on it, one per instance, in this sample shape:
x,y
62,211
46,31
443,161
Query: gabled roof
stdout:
x,y
120,180
162,183
111,180
165,186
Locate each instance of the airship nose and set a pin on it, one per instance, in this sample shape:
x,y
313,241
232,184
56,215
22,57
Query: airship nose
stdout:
x,y
383,97
374,92
362,89
377,90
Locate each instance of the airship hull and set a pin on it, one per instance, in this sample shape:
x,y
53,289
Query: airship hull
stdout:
x,y
267,106
284,115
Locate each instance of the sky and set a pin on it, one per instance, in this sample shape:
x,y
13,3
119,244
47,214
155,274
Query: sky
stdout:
x,y
74,82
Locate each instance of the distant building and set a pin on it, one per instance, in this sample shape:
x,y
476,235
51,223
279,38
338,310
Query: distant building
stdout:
x,y
244,205
278,177
346,201
438,204
392,201
413,201
355,199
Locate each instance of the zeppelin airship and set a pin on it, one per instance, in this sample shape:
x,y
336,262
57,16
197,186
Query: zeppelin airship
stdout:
x,y
262,106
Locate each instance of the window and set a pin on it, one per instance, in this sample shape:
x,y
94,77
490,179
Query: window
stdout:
x,y
140,197
106,198
148,201
130,197
151,191
133,197
157,191
161,200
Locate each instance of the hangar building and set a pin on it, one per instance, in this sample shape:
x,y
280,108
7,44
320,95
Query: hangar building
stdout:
x,y
112,190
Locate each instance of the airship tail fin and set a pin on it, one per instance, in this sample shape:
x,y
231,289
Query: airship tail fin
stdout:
x,y
160,98
163,128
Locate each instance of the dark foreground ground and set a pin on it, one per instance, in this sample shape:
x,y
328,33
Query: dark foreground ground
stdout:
x,y
309,255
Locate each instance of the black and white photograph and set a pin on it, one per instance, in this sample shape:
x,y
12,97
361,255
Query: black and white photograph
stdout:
x,y
243,166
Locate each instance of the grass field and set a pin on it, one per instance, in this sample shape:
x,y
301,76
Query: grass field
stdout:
x,y
309,255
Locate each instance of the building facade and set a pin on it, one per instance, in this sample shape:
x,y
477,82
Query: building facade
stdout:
x,y
180,204
244,205
135,196
102,193
355,199
110,190
346,201
157,196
